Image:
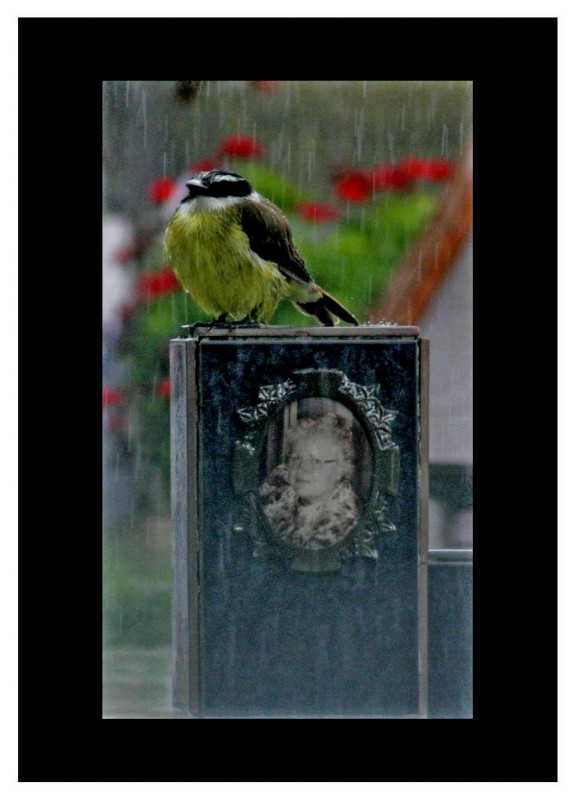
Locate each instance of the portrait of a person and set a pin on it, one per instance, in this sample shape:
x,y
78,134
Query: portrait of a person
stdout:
x,y
309,499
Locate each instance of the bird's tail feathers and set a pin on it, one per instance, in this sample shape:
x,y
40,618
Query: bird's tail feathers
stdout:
x,y
327,310
336,308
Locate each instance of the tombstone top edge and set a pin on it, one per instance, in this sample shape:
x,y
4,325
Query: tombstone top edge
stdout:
x,y
200,331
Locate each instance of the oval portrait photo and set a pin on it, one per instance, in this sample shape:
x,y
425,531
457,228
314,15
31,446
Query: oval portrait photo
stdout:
x,y
317,474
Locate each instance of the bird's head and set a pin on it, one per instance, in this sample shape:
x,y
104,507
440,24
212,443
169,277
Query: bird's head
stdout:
x,y
218,183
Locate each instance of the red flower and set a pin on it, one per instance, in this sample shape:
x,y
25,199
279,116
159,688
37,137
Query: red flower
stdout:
x,y
354,186
160,190
317,212
111,397
156,284
266,87
163,388
390,176
241,146
202,165
428,169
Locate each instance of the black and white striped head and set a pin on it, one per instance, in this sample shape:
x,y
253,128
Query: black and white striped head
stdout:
x,y
219,185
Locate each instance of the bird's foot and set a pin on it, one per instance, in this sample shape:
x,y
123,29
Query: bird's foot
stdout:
x,y
247,322
219,322
188,331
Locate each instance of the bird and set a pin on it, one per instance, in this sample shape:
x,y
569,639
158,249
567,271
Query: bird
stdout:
x,y
232,250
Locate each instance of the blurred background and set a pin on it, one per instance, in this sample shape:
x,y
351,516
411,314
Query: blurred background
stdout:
x,y
376,180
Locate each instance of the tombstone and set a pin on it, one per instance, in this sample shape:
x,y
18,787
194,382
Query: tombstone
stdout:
x,y
299,496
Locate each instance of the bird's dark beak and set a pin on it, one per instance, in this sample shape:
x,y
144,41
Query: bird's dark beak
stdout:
x,y
196,186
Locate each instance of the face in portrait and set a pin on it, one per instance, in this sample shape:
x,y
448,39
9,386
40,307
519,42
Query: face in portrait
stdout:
x,y
315,466
309,498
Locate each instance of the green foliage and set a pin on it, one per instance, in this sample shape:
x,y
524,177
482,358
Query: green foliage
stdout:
x,y
358,259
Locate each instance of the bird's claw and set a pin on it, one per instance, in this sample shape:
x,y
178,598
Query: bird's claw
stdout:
x,y
188,331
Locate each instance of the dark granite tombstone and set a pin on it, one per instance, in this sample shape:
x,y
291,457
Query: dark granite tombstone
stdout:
x,y
299,479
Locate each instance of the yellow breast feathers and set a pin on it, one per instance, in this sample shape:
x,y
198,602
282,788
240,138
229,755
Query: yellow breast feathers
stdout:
x,y
212,259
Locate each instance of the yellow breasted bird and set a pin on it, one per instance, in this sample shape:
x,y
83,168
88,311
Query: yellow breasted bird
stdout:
x,y
232,250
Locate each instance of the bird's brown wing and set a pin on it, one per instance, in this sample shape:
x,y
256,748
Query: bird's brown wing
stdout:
x,y
270,237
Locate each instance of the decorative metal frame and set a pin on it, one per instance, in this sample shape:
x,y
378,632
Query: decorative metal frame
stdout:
x,y
375,421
